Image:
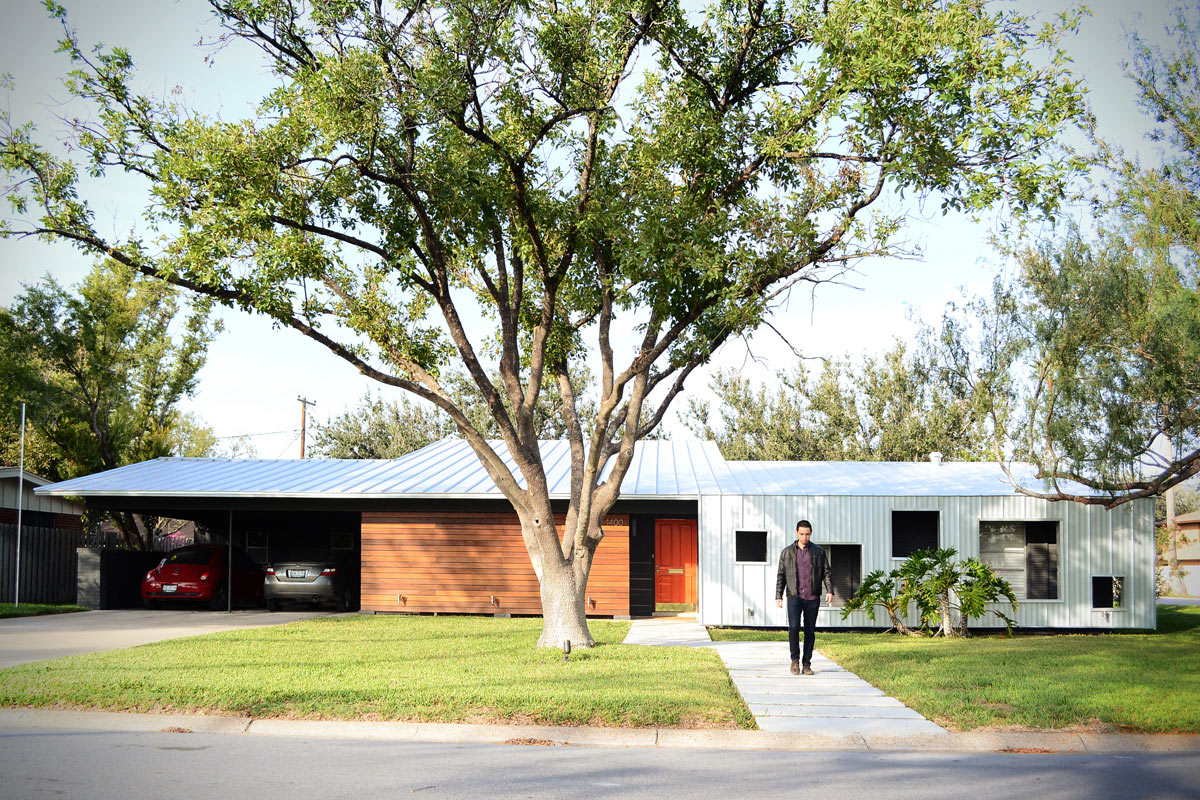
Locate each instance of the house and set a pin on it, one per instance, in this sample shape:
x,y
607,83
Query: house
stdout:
x,y
51,529
37,511
1188,552
691,530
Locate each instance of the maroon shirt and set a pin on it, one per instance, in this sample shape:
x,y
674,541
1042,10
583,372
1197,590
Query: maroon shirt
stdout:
x,y
804,587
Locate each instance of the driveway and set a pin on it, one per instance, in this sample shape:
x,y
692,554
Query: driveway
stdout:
x,y
26,639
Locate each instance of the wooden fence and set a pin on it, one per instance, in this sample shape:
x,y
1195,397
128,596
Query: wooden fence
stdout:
x,y
48,564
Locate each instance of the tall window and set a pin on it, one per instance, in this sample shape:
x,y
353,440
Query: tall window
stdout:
x,y
845,570
913,531
1023,553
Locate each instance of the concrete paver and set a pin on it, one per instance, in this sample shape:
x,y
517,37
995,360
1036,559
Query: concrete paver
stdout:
x,y
832,703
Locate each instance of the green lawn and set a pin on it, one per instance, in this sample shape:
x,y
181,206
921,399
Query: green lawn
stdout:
x,y
8,610
1145,682
444,669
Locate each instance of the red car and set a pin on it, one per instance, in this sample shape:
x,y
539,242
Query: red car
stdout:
x,y
199,573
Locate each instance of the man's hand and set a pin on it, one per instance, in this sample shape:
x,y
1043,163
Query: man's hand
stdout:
x,y
829,598
779,602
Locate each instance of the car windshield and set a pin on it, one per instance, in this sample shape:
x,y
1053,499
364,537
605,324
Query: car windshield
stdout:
x,y
190,555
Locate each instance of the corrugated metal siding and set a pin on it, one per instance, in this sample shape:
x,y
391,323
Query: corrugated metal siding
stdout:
x,y
1092,541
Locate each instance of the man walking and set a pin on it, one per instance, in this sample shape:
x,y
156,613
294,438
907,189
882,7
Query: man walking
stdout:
x,y
803,570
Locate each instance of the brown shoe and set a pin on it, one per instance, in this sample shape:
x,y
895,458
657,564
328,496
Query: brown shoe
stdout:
x,y
796,667
807,670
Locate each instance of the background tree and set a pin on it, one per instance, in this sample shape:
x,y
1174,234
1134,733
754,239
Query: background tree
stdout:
x,y
101,371
377,428
1088,355
899,407
637,177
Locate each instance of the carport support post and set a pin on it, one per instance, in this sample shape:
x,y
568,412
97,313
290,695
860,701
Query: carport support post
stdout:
x,y
229,571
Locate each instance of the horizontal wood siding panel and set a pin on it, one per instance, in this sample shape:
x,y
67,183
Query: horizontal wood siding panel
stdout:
x,y
455,562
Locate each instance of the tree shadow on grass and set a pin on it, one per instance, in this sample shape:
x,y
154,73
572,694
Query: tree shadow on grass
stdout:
x,y
1178,619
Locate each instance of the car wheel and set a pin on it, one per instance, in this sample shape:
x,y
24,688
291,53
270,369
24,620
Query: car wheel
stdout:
x,y
345,602
220,598
150,604
273,604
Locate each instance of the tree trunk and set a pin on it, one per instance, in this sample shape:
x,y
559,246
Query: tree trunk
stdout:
x,y
564,615
1174,573
899,625
944,608
1175,583
126,523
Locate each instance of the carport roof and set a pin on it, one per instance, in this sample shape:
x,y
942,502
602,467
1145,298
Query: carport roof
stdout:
x,y
445,469
684,469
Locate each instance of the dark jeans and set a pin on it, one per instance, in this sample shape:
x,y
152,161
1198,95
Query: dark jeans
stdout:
x,y
808,608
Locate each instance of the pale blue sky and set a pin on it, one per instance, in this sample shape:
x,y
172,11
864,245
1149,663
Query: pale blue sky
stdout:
x,y
254,373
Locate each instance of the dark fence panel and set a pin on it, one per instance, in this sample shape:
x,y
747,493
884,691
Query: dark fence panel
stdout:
x,y
48,564
121,574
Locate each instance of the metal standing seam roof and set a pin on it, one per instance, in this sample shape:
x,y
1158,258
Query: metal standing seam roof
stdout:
x,y
445,469
885,478
684,469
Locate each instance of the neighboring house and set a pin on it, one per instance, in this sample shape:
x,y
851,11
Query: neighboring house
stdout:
x,y
37,511
1189,553
51,529
690,530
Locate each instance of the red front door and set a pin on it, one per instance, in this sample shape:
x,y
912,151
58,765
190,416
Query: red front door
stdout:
x,y
675,560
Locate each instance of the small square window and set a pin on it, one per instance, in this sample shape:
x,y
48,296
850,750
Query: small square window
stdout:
x,y
913,531
341,541
1107,590
751,546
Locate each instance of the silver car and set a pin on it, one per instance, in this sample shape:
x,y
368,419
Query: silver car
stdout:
x,y
315,578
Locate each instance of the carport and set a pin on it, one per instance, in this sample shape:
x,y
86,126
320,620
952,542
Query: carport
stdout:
x,y
248,504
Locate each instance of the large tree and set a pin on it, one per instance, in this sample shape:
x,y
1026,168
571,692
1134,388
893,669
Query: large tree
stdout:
x,y
900,406
1089,353
636,177
101,370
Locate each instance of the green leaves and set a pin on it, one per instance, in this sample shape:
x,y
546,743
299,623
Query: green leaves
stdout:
x,y
938,584
101,367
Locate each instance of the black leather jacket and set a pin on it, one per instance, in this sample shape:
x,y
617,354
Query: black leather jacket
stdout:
x,y
787,570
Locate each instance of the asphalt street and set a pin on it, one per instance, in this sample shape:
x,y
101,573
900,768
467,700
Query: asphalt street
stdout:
x,y
102,765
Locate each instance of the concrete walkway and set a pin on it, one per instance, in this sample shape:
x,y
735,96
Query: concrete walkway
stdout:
x,y
834,702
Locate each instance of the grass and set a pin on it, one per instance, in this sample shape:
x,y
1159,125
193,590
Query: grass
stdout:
x,y
1136,682
8,610
443,669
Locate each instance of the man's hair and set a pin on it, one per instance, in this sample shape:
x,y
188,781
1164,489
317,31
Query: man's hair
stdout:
x,y
803,524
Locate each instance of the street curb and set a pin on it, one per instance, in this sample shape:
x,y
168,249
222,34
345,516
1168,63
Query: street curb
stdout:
x,y
1035,742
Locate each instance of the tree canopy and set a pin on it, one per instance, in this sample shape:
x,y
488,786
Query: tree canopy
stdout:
x,y
1089,354
102,368
636,179
899,407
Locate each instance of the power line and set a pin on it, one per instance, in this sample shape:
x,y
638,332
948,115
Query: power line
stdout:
x,y
250,435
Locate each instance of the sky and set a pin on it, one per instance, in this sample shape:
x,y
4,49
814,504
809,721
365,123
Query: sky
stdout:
x,y
254,373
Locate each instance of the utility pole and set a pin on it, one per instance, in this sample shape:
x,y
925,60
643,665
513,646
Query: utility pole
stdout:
x,y
304,404
20,506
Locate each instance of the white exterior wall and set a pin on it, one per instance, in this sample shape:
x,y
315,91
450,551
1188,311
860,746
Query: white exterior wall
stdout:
x,y
1091,541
